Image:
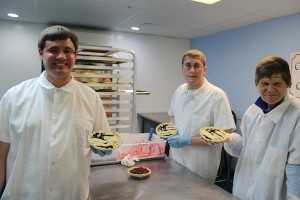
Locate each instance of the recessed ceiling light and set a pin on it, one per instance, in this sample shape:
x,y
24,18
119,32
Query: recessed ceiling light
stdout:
x,y
207,1
12,15
135,28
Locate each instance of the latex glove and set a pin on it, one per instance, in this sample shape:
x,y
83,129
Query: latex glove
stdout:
x,y
229,138
178,141
101,153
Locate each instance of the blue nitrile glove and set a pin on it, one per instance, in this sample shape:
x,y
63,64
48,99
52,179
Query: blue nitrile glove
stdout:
x,y
178,141
99,152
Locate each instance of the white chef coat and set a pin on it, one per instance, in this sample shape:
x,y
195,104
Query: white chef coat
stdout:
x,y
269,141
47,129
192,110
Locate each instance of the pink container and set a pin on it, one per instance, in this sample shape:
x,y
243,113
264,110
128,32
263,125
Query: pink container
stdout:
x,y
137,144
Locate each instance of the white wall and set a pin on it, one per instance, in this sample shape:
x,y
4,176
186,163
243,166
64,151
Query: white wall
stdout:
x,y
232,55
19,54
158,70
158,61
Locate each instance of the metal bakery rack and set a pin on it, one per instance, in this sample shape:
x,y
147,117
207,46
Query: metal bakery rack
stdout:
x,y
111,72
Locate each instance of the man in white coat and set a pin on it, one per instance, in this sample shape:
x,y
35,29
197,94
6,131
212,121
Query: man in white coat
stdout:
x,y
196,104
44,152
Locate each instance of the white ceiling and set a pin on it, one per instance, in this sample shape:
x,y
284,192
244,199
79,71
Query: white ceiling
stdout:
x,y
171,18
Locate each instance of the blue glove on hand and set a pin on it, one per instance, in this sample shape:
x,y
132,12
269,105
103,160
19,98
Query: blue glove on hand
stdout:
x,y
99,152
179,141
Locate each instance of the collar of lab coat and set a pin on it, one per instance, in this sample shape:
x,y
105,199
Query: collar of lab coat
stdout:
x,y
194,93
276,114
47,85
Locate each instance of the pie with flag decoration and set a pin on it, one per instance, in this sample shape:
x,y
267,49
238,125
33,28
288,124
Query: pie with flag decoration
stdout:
x,y
213,134
105,140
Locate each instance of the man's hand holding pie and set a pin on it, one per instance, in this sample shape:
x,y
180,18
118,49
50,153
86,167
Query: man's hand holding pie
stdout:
x,y
100,152
179,141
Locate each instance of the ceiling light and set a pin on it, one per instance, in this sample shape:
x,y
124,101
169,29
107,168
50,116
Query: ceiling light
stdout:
x,y
12,15
207,1
135,28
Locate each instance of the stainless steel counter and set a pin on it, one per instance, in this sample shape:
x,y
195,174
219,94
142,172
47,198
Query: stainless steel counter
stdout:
x,y
168,181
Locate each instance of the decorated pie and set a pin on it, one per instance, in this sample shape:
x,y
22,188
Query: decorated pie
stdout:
x,y
213,134
105,140
166,130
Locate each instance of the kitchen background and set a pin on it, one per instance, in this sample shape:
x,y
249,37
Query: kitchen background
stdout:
x,y
231,58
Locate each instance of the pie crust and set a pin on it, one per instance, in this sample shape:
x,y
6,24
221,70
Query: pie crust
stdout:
x,y
213,134
105,140
166,130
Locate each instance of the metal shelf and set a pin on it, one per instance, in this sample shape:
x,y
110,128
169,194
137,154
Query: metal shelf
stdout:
x,y
113,78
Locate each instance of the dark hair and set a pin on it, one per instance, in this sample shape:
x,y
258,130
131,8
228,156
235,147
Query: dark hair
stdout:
x,y
57,32
273,65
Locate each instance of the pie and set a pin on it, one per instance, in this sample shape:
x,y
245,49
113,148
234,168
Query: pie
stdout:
x,y
139,172
105,140
213,134
166,130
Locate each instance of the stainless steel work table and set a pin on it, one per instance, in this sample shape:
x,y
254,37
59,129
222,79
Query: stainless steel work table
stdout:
x,y
168,181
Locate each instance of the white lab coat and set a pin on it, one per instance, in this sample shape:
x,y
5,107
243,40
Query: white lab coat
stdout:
x,y
192,110
47,128
269,141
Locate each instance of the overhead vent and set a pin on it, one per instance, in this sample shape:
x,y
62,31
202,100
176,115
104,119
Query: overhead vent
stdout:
x,y
94,37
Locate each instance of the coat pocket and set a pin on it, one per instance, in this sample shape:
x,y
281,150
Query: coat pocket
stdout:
x,y
274,161
82,129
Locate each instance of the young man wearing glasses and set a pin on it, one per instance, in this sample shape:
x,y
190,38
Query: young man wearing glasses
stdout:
x,y
196,104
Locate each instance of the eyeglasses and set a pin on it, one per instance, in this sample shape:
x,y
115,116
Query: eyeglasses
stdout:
x,y
189,66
